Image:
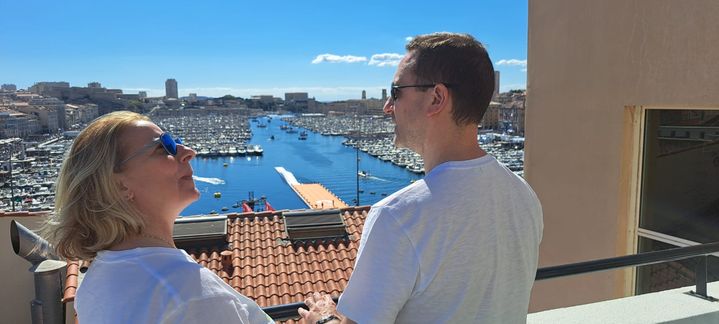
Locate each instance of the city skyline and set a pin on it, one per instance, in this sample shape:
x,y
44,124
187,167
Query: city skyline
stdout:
x,y
331,51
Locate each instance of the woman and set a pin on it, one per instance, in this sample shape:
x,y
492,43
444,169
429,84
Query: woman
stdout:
x,y
119,191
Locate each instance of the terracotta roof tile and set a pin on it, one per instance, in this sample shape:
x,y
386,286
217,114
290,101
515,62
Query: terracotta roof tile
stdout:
x,y
71,282
262,264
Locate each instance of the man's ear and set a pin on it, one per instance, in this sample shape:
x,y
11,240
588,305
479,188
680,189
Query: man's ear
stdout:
x,y
440,100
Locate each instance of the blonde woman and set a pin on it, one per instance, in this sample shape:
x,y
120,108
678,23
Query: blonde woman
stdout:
x,y
119,191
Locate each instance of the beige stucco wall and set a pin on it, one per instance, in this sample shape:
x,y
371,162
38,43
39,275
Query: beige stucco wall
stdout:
x,y
587,60
16,281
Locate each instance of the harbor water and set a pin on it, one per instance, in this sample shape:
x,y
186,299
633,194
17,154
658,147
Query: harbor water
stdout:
x,y
318,159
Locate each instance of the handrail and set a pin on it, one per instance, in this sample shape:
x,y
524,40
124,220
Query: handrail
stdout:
x,y
289,311
636,260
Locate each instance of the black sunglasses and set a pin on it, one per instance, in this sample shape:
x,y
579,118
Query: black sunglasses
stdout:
x,y
394,89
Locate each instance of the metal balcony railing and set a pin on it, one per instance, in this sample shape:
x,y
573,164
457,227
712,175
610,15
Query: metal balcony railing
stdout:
x,y
702,251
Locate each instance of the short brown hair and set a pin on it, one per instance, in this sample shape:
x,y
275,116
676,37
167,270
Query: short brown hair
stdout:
x,y
461,63
91,213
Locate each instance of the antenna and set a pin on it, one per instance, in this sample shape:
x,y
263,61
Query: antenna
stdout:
x,y
359,135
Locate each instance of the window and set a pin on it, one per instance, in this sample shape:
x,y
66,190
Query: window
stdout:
x,y
314,224
201,231
679,200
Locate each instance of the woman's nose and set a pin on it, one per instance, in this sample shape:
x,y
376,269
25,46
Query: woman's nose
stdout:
x,y
185,153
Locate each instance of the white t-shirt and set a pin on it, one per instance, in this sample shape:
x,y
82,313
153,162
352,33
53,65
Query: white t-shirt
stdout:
x,y
459,246
159,285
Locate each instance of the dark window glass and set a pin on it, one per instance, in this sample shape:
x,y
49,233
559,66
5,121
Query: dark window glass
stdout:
x,y
670,275
680,181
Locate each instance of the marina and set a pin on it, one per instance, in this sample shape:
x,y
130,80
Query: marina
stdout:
x,y
336,161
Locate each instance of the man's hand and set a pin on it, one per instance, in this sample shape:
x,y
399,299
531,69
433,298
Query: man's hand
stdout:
x,y
321,306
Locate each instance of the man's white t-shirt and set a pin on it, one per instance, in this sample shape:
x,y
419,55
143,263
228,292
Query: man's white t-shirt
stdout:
x,y
460,246
159,285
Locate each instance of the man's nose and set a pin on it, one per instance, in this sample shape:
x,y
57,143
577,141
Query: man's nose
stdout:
x,y
388,106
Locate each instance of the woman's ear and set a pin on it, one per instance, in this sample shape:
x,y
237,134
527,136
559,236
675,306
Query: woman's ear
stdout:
x,y
125,192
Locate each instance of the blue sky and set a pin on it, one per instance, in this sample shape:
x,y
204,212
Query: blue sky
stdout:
x,y
243,48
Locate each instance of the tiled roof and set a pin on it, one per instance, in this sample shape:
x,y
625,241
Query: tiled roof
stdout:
x,y
263,264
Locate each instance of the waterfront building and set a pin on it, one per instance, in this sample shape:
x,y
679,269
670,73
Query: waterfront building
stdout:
x,y
364,95
490,121
49,89
622,147
263,98
300,102
48,116
80,114
384,94
55,105
8,87
171,89
17,124
296,96
192,98
143,95
94,85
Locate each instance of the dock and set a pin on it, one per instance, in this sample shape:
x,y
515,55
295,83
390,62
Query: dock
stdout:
x,y
314,195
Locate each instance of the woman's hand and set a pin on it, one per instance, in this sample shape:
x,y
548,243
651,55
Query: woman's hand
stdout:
x,y
321,307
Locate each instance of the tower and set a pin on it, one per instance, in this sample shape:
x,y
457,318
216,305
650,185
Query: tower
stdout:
x,y
171,88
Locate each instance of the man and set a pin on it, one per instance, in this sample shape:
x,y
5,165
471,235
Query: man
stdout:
x,y
461,245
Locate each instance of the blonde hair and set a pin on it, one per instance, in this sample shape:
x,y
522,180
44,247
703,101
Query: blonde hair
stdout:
x,y
91,212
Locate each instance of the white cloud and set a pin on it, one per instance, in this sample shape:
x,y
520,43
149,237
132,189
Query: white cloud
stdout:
x,y
385,59
332,58
408,38
514,62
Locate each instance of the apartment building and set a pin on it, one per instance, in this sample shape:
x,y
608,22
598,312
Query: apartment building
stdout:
x,y
622,139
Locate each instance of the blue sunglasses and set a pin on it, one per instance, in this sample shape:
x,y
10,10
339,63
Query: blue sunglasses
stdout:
x,y
165,139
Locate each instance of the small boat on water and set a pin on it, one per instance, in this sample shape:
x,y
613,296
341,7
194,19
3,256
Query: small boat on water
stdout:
x,y
363,173
303,135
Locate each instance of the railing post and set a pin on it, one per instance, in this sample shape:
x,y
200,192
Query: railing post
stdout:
x,y
701,276
700,272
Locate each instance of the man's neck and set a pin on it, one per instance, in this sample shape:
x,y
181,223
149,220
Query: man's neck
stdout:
x,y
458,144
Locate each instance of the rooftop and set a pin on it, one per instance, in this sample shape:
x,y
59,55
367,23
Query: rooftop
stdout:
x,y
260,261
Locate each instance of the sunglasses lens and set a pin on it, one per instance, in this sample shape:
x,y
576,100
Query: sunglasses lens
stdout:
x,y
168,143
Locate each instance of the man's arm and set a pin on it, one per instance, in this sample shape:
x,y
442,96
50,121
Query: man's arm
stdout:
x,y
385,274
